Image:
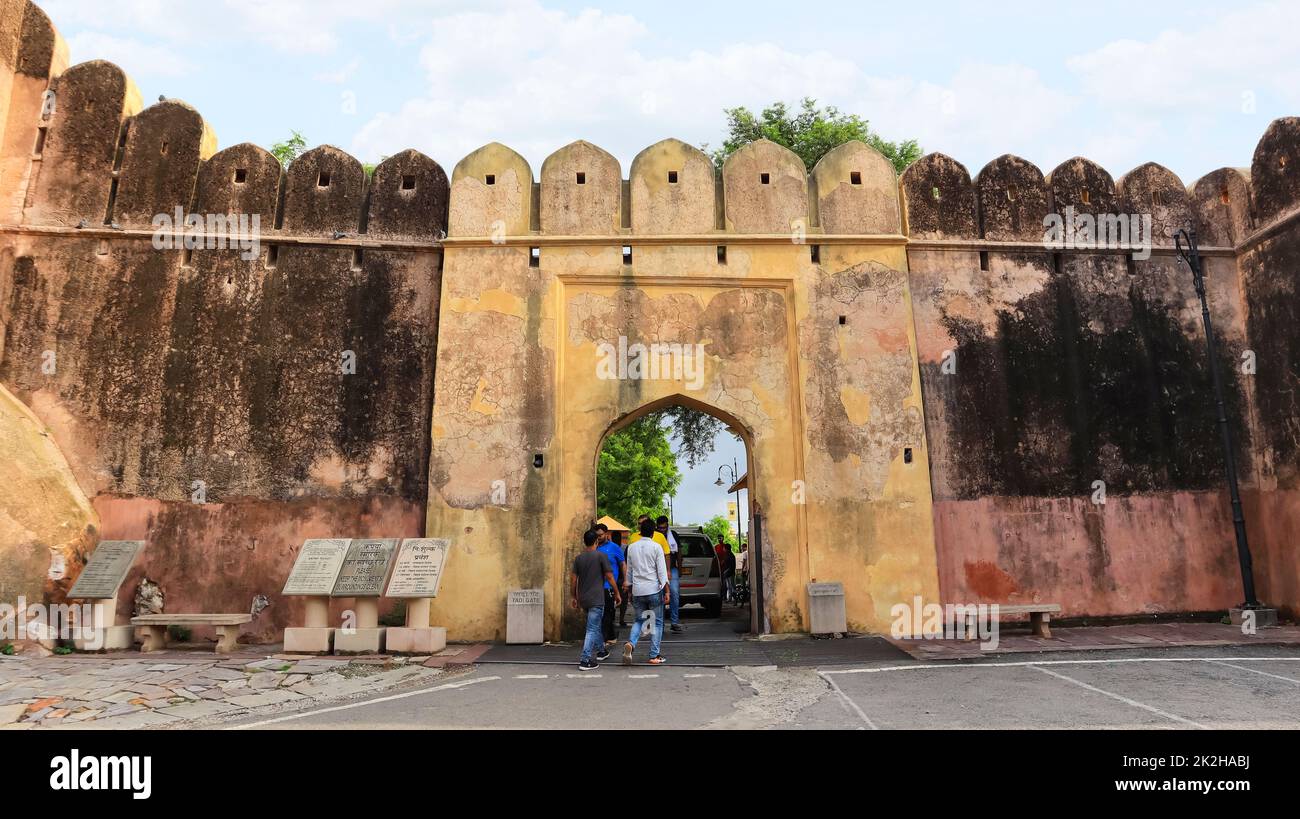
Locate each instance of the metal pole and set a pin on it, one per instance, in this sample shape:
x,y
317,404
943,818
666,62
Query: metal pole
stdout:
x,y
740,529
1191,254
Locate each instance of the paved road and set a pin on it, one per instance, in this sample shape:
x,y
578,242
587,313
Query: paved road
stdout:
x,y
1177,689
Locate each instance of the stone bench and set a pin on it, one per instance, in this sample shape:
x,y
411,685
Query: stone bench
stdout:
x,y
1040,615
154,628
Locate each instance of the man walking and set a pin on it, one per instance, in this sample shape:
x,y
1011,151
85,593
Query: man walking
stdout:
x,y
590,568
675,572
614,552
647,581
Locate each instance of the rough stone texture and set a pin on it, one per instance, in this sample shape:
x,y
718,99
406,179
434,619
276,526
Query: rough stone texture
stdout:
x,y
502,208
1014,200
47,526
164,145
1274,180
581,192
323,193
75,173
867,205
408,198
779,205
31,52
1221,201
939,199
661,206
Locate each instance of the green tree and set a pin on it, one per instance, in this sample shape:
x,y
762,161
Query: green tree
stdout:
x,y
637,469
719,527
810,132
290,149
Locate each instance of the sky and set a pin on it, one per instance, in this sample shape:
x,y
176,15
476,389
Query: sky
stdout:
x,y
1191,84
698,499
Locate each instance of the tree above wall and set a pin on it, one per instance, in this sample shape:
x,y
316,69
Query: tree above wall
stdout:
x,y
811,132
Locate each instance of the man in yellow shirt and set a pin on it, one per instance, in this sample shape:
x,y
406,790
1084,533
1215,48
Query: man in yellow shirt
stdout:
x,y
658,536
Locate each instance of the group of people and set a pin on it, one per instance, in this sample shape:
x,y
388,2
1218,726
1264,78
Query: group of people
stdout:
x,y
648,574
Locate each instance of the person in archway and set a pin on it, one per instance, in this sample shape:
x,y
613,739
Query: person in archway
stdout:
x,y
674,573
617,562
726,568
647,583
590,567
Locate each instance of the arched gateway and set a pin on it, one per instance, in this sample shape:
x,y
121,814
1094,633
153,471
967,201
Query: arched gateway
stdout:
x,y
550,339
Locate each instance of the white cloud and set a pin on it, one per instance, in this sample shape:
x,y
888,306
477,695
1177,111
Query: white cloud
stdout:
x,y
134,57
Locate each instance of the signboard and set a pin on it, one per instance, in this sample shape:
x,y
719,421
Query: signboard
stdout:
x,y
366,567
525,597
317,568
106,569
417,572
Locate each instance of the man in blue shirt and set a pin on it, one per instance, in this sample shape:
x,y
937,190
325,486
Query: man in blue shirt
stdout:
x,y
617,563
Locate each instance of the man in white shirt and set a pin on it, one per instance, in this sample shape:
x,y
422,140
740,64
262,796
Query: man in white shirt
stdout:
x,y
647,583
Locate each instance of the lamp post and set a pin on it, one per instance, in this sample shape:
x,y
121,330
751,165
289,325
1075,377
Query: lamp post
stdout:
x,y
734,469
1189,251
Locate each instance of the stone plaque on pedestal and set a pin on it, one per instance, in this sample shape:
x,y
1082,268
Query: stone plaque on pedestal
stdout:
x,y
417,572
105,570
317,568
524,616
365,568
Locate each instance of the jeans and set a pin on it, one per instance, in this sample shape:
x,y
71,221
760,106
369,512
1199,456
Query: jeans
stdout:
x,y
593,643
729,586
648,607
608,626
675,586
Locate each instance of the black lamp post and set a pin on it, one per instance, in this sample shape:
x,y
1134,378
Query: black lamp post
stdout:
x,y
1190,253
735,476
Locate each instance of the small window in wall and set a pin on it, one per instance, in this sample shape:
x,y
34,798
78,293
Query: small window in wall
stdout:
x,y
722,254
984,260
907,455
1223,196
241,176
358,258
765,178
187,259
672,177
855,178
534,257
1087,197
490,179
934,192
815,251
844,320
40,140
324,180
627,254
272,256
408,182
582,178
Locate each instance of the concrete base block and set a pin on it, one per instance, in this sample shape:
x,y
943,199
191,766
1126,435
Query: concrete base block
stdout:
x,y
416,640
359,641
313,640
1264,618
112,638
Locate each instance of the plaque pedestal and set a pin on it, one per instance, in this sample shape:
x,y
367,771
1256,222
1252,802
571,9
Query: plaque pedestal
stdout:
x,y
103,635
316,637
418,637
525,611
367,637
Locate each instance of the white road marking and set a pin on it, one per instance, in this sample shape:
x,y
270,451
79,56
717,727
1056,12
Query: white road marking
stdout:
x,y
697,676
853,706
643,676
362,703
583,676
1029,663
1291,680
1119,697
532,676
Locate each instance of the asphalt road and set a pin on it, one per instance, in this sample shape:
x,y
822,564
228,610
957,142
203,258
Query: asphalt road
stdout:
x,y
1175,689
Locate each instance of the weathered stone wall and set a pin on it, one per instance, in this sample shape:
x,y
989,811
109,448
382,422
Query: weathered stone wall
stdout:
x,y
808,354
222,408
1047,372
207,403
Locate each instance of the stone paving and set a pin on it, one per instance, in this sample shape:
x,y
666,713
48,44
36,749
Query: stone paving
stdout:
x,y
171,689
1094,638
